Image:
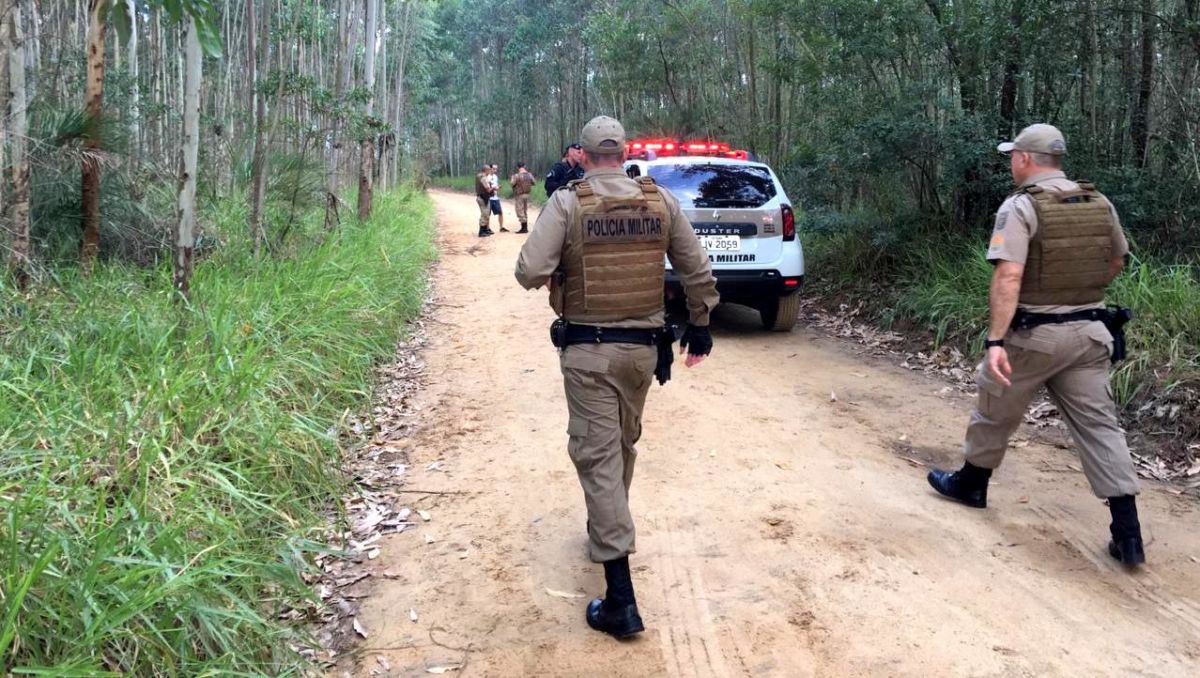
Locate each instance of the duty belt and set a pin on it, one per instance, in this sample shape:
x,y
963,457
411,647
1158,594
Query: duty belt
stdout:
x,y
564,334
1024,320
1113,318
589,334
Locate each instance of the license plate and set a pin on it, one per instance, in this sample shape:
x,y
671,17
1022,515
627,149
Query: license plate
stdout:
x,y
721,243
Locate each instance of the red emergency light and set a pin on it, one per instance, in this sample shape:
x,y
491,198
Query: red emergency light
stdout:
x,y
671,147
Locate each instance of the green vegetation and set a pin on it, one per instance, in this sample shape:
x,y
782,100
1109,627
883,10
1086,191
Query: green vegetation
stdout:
x,y
943,288
467,185
163,468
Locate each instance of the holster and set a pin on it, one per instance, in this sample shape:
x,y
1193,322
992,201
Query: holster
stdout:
x,y
1115,321
666,355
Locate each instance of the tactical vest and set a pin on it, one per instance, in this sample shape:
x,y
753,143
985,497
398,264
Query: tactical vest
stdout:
x,y
481,188
1068,261
522,183
613,257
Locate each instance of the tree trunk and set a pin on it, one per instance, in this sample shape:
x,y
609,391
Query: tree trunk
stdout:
x,y
189,150
135,133
344,64
1012,69
20,157
93,107
367,155
258,181
1139,128
5,49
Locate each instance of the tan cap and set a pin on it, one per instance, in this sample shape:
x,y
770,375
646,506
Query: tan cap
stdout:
x,y
1038,138
603,135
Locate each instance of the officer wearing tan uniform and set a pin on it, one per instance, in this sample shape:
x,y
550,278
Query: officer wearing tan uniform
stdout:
x,y
1056,246
599,245
483,193
522,185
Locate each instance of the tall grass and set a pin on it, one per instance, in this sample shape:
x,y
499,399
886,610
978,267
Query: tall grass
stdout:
x,y
162,469
940,284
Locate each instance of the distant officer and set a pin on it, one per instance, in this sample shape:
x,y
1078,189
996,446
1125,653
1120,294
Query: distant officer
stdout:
x,y
1056,245
565,170
599,245
483,194
522,184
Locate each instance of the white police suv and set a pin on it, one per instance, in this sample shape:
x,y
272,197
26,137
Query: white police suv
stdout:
x,y
742,216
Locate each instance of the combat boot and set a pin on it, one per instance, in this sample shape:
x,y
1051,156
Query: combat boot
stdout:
x,y
616,614
484,232
968,485
524,228
1126,543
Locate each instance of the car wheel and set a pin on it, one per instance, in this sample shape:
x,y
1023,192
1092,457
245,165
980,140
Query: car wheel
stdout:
x,y
780,314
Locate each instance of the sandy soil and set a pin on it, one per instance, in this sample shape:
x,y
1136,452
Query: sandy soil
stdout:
x,y
780,533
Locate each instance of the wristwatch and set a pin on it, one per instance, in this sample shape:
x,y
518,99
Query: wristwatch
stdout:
x,y
989,343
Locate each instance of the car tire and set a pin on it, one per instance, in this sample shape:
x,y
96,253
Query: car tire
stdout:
x,y
779,315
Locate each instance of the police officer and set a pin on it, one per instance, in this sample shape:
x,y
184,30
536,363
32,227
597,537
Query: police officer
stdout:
x,y
1056,246
522,184
565,170
483,194
599,245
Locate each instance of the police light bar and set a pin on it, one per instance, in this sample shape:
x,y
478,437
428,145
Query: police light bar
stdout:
x,y
671,147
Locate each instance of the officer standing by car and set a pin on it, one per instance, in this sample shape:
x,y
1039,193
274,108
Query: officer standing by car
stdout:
x,y
1056,246
522,185
599,245
566,170
483,194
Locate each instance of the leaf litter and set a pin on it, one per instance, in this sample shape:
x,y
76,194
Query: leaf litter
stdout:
x,y
375,458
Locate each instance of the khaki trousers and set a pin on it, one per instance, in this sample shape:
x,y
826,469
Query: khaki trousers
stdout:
x,y
606,386
1071,361
485,212
522,203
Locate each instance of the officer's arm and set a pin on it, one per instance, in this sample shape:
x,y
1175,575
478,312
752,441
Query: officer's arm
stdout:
x,y
1006,288
542,251
691,262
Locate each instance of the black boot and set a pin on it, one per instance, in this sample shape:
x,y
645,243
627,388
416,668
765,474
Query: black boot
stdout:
x,y
1126,544
524,228
616,614
967,485
484,232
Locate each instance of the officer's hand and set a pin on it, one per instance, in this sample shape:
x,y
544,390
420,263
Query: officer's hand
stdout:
x,y
697,341
998,367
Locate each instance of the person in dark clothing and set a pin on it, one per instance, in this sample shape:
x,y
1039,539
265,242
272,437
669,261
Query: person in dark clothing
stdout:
x,y
566,170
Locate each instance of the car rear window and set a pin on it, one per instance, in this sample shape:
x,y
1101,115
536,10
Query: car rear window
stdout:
x,y
716,185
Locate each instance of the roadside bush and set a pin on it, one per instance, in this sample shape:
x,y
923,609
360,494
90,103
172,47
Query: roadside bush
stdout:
x,y
162,469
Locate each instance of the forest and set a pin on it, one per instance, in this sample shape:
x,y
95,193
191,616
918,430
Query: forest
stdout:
x,y
212,226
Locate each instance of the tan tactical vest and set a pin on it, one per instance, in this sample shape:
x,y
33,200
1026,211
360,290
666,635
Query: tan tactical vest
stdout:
x,y
613,258
1068,261
522,183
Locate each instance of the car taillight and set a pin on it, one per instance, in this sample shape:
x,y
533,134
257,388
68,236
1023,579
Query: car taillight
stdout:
x,y
789,223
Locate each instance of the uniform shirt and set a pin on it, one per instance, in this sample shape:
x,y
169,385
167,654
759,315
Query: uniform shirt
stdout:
x,y
1016,225
542,252
562,173
481,186
521,182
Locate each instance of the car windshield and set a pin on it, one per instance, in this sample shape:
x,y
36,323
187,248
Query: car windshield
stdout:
x,y
716,185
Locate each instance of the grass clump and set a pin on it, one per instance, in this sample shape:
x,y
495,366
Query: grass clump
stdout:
x,y
162,470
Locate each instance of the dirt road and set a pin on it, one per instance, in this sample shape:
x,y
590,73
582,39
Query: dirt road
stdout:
x,y
779,532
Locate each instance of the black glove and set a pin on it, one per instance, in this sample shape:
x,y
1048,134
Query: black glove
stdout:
x,y
696,340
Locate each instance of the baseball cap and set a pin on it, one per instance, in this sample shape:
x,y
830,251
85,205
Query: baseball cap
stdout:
x,y
603,135
1039,138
